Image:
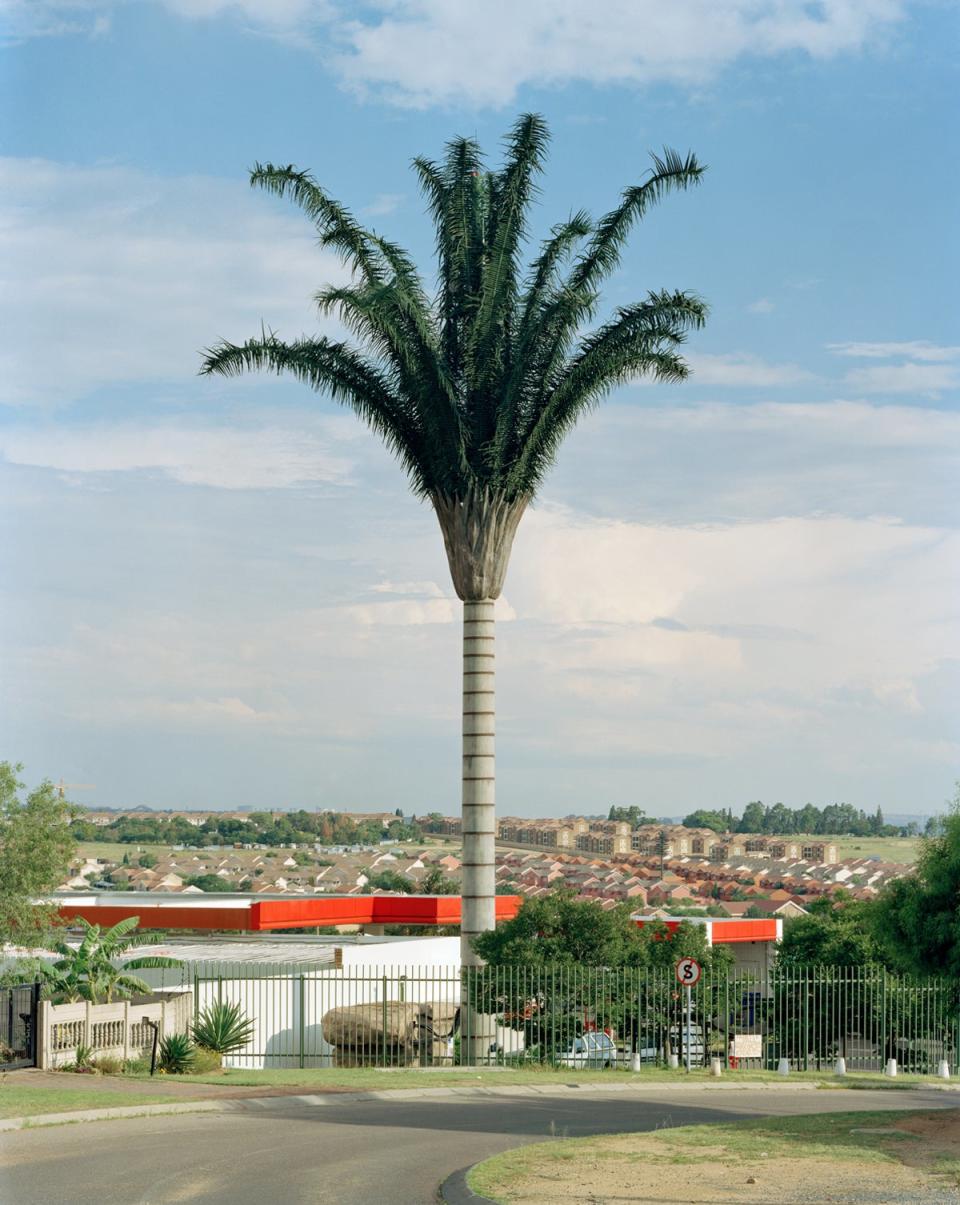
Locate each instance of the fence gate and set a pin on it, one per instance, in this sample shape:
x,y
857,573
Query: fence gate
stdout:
x,y
18,1025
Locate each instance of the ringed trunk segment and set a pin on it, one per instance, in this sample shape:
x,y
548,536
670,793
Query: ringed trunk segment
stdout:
x,y
479,812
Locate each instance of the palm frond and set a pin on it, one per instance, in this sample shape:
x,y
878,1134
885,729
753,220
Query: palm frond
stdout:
x,y
640,340
669,173
348,377
474,386
335,224
489,346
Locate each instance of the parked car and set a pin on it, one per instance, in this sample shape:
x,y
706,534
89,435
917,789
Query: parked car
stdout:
x,y
591,1049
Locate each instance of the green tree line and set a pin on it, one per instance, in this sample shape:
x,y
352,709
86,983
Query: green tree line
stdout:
x,y
260,828
777,820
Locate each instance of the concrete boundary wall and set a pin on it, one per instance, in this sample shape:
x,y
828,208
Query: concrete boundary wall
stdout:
x,y
120,1030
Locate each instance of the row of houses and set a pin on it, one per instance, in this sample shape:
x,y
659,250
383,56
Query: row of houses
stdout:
x,y
757,884
256,871
609,837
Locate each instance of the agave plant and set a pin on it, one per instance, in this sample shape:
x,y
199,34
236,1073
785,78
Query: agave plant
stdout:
x,y
176,1054
474,388
222,1028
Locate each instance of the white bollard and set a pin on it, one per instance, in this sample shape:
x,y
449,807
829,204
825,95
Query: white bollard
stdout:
x,y
841,1067
943,1070
635,1062
673,1061
783,1067
716,1068
891,1068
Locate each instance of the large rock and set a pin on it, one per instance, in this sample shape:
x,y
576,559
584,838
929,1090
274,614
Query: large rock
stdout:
x,y
392,1024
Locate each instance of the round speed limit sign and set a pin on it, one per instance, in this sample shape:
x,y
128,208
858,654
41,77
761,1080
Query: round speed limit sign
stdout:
x,y
688,971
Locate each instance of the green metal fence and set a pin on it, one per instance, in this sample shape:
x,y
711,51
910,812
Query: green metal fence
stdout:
x,y
316,1016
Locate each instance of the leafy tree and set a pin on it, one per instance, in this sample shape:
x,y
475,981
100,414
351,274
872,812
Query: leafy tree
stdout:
x,y
840,936
562,929
564,963
390,880
702,818
475,389
752,820
209,882
35,850
89,971
435,882
917,918
147,860
633,815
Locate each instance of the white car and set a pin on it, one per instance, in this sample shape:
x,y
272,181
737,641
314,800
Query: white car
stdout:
x,y
591,1049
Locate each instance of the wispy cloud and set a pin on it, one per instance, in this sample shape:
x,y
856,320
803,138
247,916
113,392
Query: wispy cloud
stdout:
x,y
743,369
923,368
115,275
917,349
225,458
426,52
380,206
924,379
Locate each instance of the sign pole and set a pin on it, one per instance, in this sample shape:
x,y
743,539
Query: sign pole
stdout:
x,y
688,973
688,1030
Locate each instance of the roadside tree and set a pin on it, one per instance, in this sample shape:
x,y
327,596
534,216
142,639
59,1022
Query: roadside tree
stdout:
x,y
35,850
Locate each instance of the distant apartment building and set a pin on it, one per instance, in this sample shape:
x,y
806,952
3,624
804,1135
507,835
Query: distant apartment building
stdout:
x,y
548,834
606,837
604,843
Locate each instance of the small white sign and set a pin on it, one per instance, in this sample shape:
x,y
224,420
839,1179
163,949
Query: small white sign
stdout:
x,y
688,972
747,1046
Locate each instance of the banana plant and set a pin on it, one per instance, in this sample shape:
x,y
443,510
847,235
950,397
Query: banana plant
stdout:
x,y
90,971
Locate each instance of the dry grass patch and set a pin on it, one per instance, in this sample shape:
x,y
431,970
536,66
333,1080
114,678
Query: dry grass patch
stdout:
x,y
863,1158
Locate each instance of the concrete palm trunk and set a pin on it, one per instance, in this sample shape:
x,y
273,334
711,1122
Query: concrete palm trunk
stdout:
x,y
479,812
478,531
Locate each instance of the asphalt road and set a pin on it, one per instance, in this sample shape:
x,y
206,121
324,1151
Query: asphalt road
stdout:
x,y
353,1152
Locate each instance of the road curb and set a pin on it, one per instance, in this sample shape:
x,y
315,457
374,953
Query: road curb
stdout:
x,y
244,1104
55,1119
456,1191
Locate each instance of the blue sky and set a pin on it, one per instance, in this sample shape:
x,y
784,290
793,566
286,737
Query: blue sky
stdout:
x,y
742,587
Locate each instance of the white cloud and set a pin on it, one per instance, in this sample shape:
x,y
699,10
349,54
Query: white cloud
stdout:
x,y
743,369
440,51
423,52
113,275
427,589
842,425
380,206
925,368
917,349
762,305
405,613
927,380
264,458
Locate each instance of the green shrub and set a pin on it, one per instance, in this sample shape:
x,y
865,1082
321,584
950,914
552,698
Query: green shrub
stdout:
x,y
107,1064
205,1061
82,1062
223,1028
176,1054
140,1066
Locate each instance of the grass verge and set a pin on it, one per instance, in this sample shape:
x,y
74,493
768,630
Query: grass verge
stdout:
x,y
16,1101
700,1153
